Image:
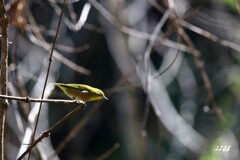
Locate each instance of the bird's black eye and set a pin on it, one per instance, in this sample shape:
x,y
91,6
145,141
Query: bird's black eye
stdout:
x,y
99,93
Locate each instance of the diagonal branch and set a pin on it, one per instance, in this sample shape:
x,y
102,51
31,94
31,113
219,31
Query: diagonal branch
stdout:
x,y
47,75
136,33
197,60
50,130
210,36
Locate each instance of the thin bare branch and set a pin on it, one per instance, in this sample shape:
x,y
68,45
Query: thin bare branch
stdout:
x,y
168,67
60,57
136,33
210,36
37,100
73,50
152,40
40,41
198,61
81,23
47,75
50,130
109,152
73,132
155,4
4,74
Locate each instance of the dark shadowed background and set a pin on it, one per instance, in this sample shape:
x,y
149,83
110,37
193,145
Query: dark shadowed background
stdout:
x,y
170,69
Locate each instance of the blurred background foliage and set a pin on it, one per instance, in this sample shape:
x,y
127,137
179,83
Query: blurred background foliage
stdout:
x,y
170,69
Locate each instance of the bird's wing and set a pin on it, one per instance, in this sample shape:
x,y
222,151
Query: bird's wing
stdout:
x,y
82,89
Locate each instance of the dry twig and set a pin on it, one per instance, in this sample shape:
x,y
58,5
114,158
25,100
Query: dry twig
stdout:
x,y
50,130
46,79
4,76
36,100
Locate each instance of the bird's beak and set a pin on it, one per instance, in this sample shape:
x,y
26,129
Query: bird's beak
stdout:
x,y
105,97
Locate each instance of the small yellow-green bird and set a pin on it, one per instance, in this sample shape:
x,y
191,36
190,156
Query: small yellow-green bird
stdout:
x,y
81,91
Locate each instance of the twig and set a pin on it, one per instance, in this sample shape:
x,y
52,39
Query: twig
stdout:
x,y
36,100
73,132
136,33
46,79
168,67
4,76
147,54
197,60
109,152
210,36
60,57
41,42
156,5
82,18
50,130
152,42
73,50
